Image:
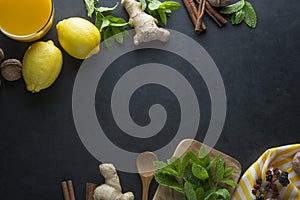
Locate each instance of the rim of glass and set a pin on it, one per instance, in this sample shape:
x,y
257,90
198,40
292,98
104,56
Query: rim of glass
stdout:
x,y
24,37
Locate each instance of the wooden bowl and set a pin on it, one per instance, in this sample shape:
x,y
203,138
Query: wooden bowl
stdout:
x,y
165,193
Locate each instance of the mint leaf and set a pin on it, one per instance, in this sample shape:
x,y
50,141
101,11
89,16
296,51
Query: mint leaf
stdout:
x,y
170,6
144,4
124,32
223,193
162,10
193,157
200,172
170,167
117,34
188,175
154,4
228,172
118,24
232,19
105,9
173,161
204,157
168,181
250,15
169,170
233,7
163,16
90,6
153,13
210,195
229,182
239,16
203,152
116,19
98,20
105,23
168,12
200,193
184,163
159,164
189,191
212,163
112,28
219,171
108,39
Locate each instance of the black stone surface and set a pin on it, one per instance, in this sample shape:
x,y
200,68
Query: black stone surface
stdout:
x,y
39,146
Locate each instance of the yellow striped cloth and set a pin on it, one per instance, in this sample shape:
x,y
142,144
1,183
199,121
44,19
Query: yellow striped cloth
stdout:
x,y
279,157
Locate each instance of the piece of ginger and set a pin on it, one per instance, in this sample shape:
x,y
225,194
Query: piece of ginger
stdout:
x,y
111,189
144,25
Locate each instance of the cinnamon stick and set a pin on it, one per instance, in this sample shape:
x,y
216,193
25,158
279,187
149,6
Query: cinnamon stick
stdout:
x,y
90,187
200,26
214,18
68,190
196,15
193,5
71,190
219,19
203,26
65,190
191,9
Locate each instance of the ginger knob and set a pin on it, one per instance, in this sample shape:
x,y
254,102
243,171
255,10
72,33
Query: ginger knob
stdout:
x,y
111,189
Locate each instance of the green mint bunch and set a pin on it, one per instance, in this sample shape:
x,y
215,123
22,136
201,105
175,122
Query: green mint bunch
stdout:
x,y
241,11
113,29
198,177
160,10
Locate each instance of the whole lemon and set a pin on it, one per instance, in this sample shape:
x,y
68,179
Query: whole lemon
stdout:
x,y
42,64
78,37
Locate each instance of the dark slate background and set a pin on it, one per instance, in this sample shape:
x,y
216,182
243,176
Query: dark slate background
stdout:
x,y
260,67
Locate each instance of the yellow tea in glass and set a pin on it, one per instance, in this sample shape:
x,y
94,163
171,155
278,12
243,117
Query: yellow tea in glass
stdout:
x,y
26,20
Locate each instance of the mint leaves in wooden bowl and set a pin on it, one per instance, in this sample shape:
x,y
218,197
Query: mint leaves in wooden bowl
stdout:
x,y
196,172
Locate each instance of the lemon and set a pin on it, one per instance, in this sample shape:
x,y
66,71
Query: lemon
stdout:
x,y
42,64
78,37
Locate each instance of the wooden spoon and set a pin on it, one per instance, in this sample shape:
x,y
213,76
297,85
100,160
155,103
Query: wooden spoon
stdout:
x,y
146,169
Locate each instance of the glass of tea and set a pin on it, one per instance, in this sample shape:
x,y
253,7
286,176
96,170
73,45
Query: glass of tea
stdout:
x,y
26,20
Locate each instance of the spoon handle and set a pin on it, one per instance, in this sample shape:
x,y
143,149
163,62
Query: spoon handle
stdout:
x,y
146,183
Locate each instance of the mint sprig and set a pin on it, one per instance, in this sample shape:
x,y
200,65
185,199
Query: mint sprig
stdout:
x,y
90,6
113,29
241,11
189,191
160,10
198,177
250,15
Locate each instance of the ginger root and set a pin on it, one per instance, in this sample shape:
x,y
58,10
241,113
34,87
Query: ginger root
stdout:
x,y
144,25
111,189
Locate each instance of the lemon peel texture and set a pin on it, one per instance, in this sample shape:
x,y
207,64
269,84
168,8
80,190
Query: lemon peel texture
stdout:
x,y
42,64
78,37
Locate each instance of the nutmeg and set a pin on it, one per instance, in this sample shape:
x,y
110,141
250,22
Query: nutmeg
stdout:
x,y
1,55
219,3
11,69
296,162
